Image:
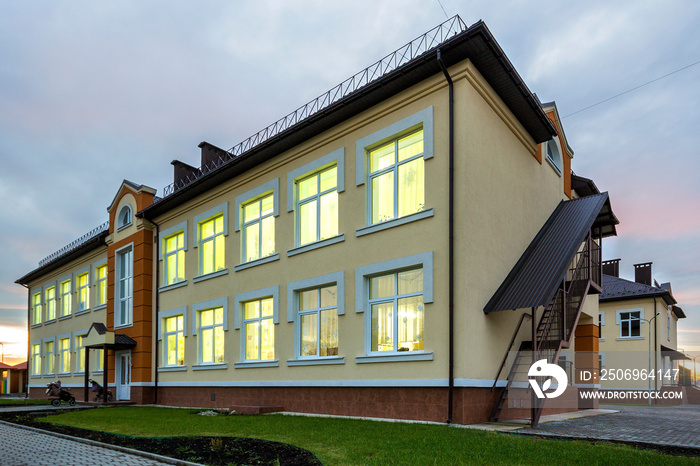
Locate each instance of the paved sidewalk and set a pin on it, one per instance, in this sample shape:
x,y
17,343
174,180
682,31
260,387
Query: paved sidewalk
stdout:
x,y
674,426
22,446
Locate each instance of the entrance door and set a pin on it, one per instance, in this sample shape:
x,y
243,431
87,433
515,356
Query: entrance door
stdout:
x,y
123,375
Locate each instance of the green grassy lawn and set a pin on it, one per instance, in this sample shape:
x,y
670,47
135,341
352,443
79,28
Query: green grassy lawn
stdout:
x,y
22,401
349,441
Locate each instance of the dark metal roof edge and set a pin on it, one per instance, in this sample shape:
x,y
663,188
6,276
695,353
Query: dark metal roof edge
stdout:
x,y
267,151
670,300
86,247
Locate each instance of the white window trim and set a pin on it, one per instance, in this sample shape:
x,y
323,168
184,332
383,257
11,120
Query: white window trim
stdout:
x,y
196,311
619,323
44,355
120,224
179,311
162,315
45,305
96,284
59,354
39,292
557,168
162,236
272,186
76,334
336,279
117,274
31,359
59,308
239,300
337,158
77,274
221,209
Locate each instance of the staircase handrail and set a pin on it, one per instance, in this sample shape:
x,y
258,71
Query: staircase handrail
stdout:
x,y
505,357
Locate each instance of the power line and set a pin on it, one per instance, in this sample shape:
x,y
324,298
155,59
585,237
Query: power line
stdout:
x,y
630,90
443,9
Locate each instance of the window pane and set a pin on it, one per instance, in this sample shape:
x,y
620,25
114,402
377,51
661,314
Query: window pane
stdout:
x,y
208,256
219,316
625,328
251,211
329,296
207,229
268,205
267,308
206,318
411,192
180,240
268,237
307,222
171,269
171,244
410,324
219,343
635,330
382,157
219,225
411,145
181,348
382,327
180,275
329,179
172,349
267,350
308,300
329,215
252,310
252,348
220,251
329,333
411,282
308,187
383,197
170,324
207,345
308,334
252,242
180,322
381,287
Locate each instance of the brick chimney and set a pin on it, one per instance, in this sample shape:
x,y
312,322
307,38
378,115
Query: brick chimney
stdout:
x,y
612,267
642,273
210,152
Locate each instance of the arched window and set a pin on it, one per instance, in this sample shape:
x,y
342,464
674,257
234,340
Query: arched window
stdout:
x,y
553,153
124,217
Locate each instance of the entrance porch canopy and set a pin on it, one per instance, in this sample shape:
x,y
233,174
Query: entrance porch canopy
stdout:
x,y
98,337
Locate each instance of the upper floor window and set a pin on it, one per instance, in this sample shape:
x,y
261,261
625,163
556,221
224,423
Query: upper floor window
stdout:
x,y
317,206
37,309
124,287
66,298
50,296
668,326
318,322
174,257
124,217
101,277
83,284
259,228
212,246
630,324
553,153
174,341
396,178
36,359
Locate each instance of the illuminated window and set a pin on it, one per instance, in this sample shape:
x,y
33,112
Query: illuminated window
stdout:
x,y
174,257
80,353
36,359
211,247
64,355
396,178
37,309
318,322
99,356
50,355
211,336
50,297
396,303
259,330
101,274
317,206
259,228
83,284
124,285
175,341
66,298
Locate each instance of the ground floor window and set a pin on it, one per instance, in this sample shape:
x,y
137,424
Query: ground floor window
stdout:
x,y
318,322
211,336
64,355
259,329
175,341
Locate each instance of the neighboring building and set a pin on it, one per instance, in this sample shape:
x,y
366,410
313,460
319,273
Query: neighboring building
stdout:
x,y
349,259
632,312
13,379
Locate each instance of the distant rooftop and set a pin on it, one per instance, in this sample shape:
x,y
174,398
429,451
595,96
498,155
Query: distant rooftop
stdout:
x,y
615,288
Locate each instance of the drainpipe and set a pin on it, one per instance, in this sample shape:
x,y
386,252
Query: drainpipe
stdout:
x,y
29,324
656,359
451,377
155,360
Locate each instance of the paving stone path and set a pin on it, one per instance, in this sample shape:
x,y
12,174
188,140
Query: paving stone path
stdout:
x,y
662,425
20,446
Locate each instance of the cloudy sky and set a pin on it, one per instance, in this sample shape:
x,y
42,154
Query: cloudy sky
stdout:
x,y
95,92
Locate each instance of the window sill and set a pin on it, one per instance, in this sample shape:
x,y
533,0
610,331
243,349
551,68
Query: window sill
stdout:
x,y
316,245
84,311
81,373
254,364
173,286
100,307
394,357
51,321
98,372
316,361
34,376
172,368
38,325
63,374
629,338
394,223
206,367
65,317
123,325
256,262
218,273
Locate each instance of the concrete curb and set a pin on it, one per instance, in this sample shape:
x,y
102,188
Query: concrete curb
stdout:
x,y
145,454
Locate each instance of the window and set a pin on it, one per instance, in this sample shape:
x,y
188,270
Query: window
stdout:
x,y
80,353
396,303
124,217
101,275
630,324
318,322
64,355
83,284
601,323
99,355
36,359
211,336
212,249
396,178
317,206
259,329
553,153
175,340
174,256
37,309
66,298
259,228
124,285
49,352
50,297
668,326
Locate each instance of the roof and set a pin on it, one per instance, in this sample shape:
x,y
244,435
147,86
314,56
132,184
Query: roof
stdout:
x,y
21,366
678,311
619,289
673,354
583,186
537,275
398,71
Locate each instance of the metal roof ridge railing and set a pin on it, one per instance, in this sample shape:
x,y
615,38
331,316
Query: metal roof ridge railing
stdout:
x,y
422,44
78,242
